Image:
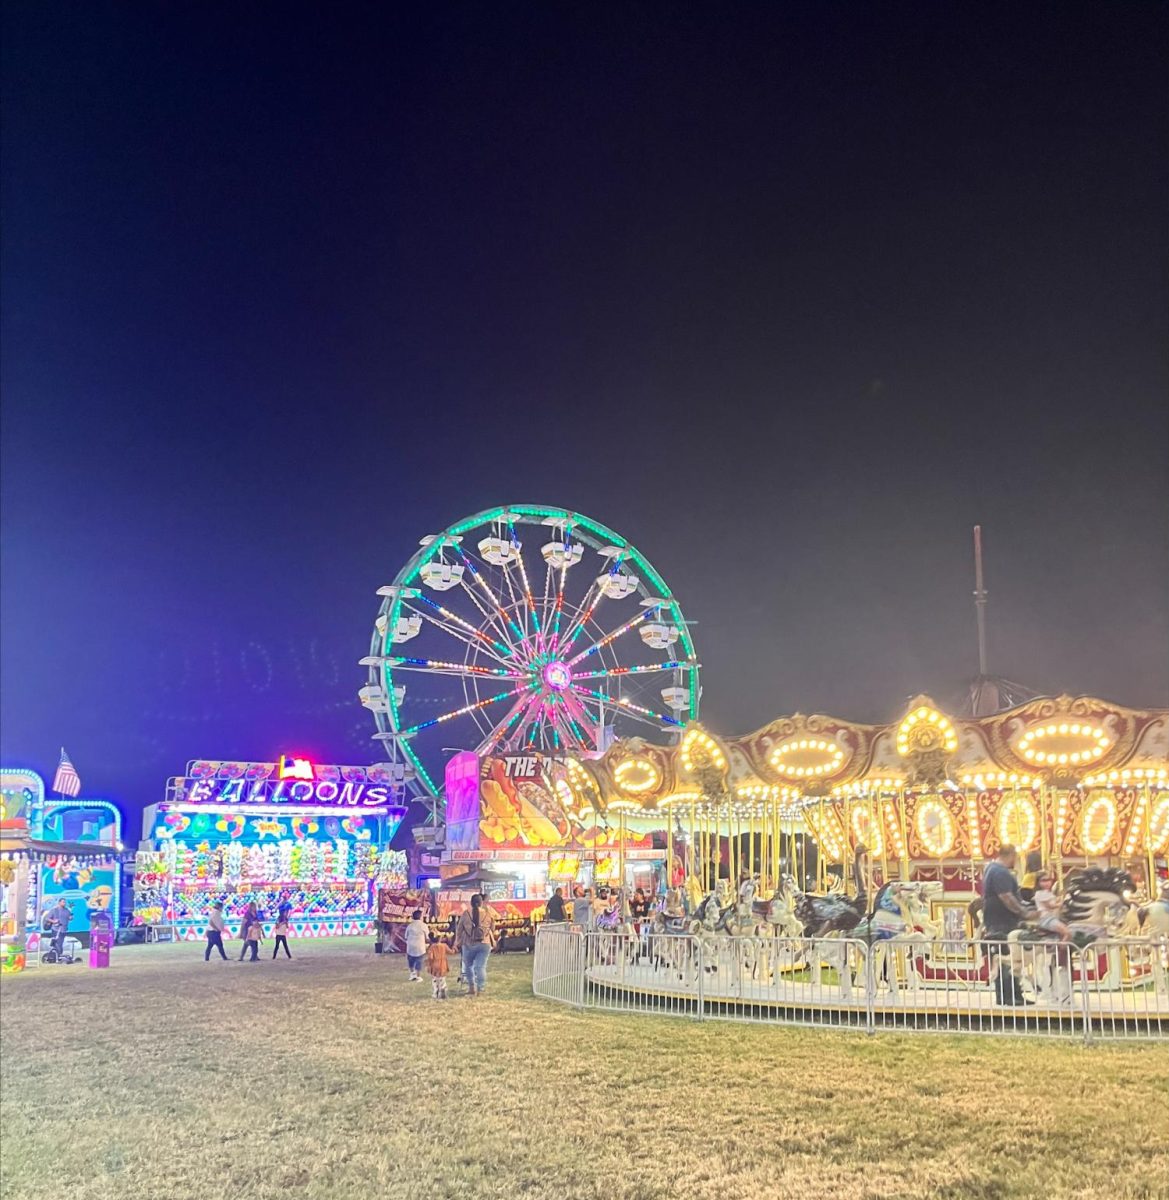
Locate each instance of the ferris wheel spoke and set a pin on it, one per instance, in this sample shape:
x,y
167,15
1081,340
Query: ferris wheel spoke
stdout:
x,y
609,638
627,706
504,727
475,638
432,666
496,603
467,708
527,587
579,715
558,607
580,618
613,672
455,619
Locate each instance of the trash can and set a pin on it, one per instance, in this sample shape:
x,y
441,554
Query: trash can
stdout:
x,y
101,938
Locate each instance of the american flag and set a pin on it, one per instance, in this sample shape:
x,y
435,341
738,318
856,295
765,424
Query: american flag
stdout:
x,y
66,782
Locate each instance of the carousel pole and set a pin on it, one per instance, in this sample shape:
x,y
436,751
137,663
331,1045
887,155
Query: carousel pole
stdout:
x,y
692,844
706,849
849,835
751,842
669,849
874,812
1150,858
904,833
821,874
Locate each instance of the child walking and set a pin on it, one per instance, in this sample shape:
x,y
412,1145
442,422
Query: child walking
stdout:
x,y
281,935
254,936
436,967
415,944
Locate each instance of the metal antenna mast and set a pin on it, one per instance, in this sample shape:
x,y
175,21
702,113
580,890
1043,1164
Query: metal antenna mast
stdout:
x,y
980,600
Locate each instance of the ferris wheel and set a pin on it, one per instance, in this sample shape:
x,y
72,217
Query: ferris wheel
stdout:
x,y
525,628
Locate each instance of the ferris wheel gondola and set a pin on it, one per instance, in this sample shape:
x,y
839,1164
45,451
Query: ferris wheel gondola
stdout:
x,y
516,642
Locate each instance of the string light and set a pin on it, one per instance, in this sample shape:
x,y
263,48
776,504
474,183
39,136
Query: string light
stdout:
x,y
699,749
894,830
866,787
826,766
1102,804
1050,744
983,780
937,841
637,775
867,831
922,728
1130,843
972,825
1015,809
1140,774
1159,825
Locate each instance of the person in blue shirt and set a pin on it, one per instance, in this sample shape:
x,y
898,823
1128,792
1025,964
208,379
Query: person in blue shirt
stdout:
x,y
1002,913
57,919
1002,908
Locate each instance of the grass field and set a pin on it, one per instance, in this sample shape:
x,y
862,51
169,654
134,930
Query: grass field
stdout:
x,y
331,1076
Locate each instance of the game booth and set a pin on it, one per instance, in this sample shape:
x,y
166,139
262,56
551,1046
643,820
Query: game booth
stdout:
x,y
54,850
313,836
521,825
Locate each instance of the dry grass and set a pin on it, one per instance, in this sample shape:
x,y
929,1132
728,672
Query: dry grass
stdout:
x,y
331,1076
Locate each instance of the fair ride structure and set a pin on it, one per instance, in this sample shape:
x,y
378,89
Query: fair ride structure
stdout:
x,y
903,818
526,635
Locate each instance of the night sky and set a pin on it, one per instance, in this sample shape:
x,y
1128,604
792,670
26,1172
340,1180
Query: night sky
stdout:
x,y
791,296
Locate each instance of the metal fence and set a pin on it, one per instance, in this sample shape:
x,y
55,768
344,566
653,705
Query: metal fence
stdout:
x,y
1111,990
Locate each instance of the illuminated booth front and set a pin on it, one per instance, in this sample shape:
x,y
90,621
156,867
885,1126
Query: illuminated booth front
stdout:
x,y
519,825
315,837
54,850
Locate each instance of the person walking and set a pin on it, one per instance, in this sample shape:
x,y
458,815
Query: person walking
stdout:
x,y
216,927
253,936
474,937
281,932
416,934
251,913
436,967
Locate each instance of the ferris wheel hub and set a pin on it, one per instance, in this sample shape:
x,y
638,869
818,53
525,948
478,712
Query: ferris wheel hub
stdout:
x,y
557,675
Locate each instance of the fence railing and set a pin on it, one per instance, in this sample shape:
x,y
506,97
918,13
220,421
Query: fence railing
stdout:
x,y
1116,989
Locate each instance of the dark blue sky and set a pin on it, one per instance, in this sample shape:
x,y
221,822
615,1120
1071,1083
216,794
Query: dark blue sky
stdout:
x,y
790,295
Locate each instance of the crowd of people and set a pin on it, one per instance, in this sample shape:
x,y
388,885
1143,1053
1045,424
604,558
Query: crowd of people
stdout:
x,y
474,937
589,910
251,932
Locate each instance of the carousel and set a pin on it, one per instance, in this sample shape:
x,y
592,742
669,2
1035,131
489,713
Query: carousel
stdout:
x,y
1077,781
820,849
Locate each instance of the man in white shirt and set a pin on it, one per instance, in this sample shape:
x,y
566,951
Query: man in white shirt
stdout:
x,y
215,928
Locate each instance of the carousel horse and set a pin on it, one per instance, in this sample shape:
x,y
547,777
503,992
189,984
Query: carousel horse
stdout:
x,y
1095,905
1154,916
666,942
780,927
828,918
710,920
822,915
615,921
1154,922
744,920
899,919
